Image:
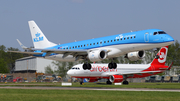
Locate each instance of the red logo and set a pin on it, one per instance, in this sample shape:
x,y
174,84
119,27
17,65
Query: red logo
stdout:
x,y
162,55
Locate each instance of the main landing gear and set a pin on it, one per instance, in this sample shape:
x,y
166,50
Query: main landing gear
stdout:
x,y
125,82
112,64
108,82
87,66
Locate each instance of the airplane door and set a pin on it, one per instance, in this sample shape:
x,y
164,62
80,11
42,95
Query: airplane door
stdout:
x,y
146,37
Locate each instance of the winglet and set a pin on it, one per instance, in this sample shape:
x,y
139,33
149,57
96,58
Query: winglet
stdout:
x,y
22,46
170,66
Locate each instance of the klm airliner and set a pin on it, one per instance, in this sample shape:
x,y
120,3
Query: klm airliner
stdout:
x,y
130,44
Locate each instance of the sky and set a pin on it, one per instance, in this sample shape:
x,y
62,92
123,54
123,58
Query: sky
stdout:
x,y
64,21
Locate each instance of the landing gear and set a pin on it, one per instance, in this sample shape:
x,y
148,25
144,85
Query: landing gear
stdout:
x,y
86,66
112,64
108,82
125,82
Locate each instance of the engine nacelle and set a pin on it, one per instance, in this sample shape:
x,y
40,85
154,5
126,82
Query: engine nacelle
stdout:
x,y
97,55
116,78
134,56
91,80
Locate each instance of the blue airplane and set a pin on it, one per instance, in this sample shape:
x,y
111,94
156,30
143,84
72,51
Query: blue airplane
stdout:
x,y
130,44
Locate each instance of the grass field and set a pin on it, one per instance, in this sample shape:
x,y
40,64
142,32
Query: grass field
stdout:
x,y
102,85
89,95
84,95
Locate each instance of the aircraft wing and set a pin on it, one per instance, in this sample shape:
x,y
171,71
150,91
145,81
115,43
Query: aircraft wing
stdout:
x,y
61,51
26,52
73,52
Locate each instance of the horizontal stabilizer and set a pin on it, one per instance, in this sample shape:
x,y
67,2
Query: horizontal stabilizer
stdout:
x,y
170,66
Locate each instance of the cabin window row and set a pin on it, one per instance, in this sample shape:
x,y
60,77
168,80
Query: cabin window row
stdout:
x,y
99,43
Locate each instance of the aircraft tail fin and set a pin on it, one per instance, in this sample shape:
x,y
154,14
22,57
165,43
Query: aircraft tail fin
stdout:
x,y
22,46
38,38
160,58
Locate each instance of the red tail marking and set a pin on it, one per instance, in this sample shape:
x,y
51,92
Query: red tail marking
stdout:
x,y
162,56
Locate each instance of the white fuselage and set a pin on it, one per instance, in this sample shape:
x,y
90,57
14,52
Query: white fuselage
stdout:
x,y
102,70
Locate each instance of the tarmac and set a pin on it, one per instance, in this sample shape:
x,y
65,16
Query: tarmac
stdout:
x,y
87,88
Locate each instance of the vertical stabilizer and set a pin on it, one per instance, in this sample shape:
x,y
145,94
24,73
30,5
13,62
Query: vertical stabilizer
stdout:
x,y
38,38
162,54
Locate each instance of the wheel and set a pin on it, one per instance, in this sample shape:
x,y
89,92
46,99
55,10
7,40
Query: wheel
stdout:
x,y
125,82
81,82
114,65
84,66
88,66
110,65
108,82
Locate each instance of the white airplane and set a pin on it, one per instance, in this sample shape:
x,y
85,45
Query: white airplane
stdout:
x,y
130,44
123,71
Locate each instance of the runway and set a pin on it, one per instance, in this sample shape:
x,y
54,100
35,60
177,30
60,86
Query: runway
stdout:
x,y
87,88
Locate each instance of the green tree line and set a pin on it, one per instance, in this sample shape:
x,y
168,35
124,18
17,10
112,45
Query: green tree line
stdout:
x,y
7,60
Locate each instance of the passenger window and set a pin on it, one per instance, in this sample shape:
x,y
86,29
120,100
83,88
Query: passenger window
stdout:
x,y
124,38
134,36
93,43
127,37
104,41
75,46
111,40
108,41
114,39
121,38
131,37
97,42
117,39
84,45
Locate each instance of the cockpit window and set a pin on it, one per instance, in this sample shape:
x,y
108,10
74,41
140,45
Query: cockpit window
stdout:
x,y
155,33
162,32
75,68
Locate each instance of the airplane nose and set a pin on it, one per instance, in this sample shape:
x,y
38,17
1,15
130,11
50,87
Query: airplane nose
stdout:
x,y
69,73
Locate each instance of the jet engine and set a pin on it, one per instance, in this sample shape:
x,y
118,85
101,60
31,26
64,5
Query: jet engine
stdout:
x,y
134,56
116,78
97,55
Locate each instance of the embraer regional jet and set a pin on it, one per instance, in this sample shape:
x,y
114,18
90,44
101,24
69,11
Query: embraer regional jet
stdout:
x,y
123,71
130,44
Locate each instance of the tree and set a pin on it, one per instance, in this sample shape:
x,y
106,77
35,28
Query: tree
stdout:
x,y
48,70
61,68
3,66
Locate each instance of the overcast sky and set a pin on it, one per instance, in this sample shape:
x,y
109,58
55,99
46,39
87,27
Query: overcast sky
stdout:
x,y
64,21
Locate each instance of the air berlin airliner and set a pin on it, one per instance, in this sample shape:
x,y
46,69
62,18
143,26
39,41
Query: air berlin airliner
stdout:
x,y
123,71
130,44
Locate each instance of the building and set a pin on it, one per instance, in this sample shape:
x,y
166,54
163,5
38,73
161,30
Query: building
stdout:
x,y
32,64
